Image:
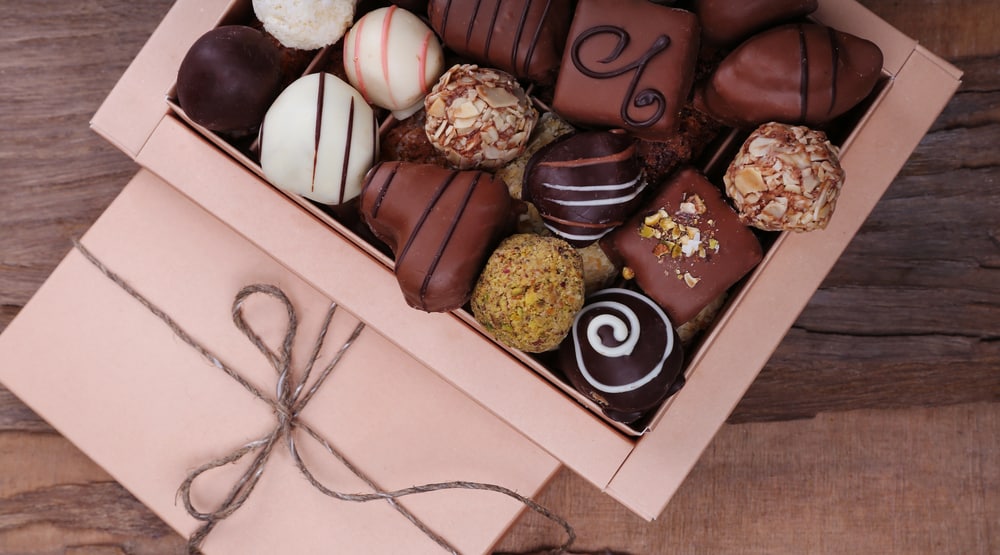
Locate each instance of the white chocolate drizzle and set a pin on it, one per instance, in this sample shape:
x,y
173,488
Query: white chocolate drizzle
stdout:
x,y
626,330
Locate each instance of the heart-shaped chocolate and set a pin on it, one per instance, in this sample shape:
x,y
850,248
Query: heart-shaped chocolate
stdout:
x,y
440,224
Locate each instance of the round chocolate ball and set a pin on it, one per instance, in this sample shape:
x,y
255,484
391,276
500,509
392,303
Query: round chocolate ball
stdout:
x,y
229,78
622,353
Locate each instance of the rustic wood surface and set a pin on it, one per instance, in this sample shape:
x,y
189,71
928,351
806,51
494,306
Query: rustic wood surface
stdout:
x,y
874,428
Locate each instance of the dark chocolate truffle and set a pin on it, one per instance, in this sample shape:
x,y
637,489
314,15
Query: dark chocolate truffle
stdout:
x,y
229,78
521,37
686,246
726,22
585,184
622,353
628,64
440,224
797,74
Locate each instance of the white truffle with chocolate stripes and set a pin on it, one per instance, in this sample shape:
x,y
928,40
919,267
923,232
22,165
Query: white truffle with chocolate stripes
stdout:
x,y
319,139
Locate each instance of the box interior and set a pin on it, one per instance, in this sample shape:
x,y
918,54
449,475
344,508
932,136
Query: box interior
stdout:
x,y
713,163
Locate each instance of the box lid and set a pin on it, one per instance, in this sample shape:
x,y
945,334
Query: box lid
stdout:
x,y
111,377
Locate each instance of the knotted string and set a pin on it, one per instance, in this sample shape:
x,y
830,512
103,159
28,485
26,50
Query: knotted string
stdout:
x,y
290,399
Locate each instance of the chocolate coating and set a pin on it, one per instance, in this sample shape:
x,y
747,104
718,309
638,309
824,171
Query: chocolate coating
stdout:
x,y
521,37
684,271
228,78
440,224
622,353
585,184
726,22
628,64
797,74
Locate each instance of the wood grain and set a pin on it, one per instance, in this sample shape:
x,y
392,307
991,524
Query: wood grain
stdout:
x,y
908,319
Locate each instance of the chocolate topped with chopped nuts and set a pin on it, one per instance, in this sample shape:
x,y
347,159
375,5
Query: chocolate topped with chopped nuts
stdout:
x,y
478,117
685,247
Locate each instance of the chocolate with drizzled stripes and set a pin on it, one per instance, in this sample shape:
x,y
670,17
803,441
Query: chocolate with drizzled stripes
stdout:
x,y
522,37
318,140
803,73
440,224
584,185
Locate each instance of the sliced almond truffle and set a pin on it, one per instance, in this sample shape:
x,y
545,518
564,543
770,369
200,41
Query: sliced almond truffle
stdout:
x,y
785,178
478,117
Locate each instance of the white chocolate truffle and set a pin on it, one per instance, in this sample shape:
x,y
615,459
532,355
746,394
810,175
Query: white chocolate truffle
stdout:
x,y
305,24
393,58
319,139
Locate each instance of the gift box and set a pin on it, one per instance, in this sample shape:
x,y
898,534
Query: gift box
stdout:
x,y
417,398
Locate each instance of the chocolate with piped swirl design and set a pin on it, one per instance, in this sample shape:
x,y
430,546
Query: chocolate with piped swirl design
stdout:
x,y
622,353
628,64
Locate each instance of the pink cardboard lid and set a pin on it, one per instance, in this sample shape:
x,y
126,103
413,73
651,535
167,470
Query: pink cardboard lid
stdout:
x,y
148,408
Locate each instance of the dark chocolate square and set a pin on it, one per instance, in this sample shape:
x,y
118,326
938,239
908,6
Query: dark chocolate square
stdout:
x,y
628,64
685,275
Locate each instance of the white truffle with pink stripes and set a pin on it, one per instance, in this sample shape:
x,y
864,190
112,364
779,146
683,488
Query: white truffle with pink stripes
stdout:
x,y
393,58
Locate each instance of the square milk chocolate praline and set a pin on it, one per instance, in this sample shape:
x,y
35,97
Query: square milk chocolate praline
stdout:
x,y
686,246
628,64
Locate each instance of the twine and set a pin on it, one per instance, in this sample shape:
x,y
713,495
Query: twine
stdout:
x,y
290,399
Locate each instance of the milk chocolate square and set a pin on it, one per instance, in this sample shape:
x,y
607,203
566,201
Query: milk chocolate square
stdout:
x,y
686,246
628,64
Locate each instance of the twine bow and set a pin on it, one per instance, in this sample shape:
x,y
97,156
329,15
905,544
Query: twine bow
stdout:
x,y
290,399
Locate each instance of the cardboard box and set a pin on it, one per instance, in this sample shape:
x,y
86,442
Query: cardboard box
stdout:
x,y
495,413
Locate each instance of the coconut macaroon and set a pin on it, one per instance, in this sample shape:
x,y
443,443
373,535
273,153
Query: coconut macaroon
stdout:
x,y
305,24
785,177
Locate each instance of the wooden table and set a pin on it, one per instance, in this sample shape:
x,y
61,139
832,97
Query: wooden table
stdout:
x,y
874,428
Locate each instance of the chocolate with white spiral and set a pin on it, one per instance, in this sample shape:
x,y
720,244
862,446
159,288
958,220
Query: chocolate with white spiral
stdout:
x,y
622,353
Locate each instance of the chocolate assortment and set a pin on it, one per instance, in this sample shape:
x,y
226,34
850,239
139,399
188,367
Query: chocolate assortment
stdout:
x,y
538,167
